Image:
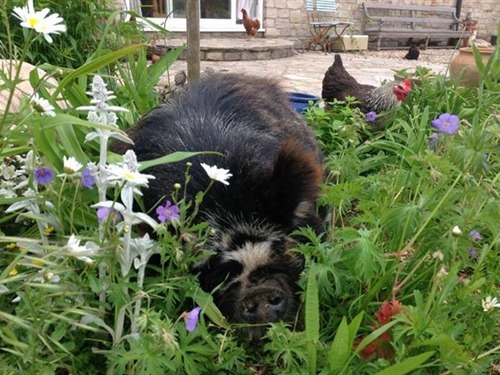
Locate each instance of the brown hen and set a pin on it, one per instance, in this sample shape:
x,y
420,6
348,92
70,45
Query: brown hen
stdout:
x,y
252,25
339,84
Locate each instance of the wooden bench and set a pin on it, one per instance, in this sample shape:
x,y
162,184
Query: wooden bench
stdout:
x,y
411,21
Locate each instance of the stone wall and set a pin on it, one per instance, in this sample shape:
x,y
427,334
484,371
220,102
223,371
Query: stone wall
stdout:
x,y
288,19
487,12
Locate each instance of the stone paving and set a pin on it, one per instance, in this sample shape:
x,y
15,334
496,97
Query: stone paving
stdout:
x,y
304,72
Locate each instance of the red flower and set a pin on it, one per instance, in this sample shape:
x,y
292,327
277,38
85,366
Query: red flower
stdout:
x,y
381,346
388,310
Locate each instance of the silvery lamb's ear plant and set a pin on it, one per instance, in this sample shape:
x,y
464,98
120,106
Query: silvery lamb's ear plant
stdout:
x,y
33,179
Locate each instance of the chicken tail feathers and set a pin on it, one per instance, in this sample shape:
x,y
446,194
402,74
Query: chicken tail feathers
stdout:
x,y
338,67
337,62
338,83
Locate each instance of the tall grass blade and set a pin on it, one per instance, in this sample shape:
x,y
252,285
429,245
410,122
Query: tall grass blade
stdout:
x,y
312,319
340,348
407,365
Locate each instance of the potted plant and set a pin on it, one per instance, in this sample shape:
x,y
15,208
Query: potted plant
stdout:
x,y
464,66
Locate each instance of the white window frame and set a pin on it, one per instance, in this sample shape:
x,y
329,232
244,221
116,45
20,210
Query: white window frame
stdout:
x,y
206,24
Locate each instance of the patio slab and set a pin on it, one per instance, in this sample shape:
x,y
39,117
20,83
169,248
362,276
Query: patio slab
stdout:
x,y
304,72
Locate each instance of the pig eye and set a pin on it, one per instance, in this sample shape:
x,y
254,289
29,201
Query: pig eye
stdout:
x,y
275,301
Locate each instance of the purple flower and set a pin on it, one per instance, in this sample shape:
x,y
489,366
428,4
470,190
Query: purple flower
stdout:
x,y
87,179
475,235
371,116
44,175
191,318
446,124
168,212
103,213
472,253
433,139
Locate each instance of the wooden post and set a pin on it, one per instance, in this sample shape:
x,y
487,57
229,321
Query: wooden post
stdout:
x,y
193,39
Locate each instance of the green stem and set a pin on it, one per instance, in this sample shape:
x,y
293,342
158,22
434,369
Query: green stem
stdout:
x,y
138,302
197,204
124,261
120,320
431,216
421,229
14,79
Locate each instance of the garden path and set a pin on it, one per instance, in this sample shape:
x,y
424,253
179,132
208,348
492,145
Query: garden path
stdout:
x,y
304,72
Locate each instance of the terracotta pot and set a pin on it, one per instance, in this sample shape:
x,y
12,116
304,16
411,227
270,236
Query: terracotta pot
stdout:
x,y
463,66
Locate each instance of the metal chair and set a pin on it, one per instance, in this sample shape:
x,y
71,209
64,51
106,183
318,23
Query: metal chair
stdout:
x,y
319,18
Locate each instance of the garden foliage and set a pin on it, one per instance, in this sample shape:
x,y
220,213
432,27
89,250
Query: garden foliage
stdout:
x,y
404,279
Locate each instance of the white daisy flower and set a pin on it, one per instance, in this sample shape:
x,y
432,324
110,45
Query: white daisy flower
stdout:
x,y
217,174
50,25
121,173
39,21
29,18
490,303
71,165
42,106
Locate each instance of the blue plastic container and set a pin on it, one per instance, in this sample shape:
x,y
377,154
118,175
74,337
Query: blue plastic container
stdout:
x,y
300,100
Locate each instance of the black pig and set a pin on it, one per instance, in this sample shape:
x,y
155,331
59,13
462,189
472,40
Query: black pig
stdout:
x,y
276,171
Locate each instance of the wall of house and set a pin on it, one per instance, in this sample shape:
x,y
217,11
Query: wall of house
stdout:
x,y
288,19
488,14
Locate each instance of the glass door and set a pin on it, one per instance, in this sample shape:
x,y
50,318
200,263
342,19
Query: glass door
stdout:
x,y
215,9
216,15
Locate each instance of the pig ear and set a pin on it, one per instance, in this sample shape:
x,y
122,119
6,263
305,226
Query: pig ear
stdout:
x,y
213,271
294,185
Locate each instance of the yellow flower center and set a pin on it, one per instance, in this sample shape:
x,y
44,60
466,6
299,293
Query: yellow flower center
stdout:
x,y
129,176
33,21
